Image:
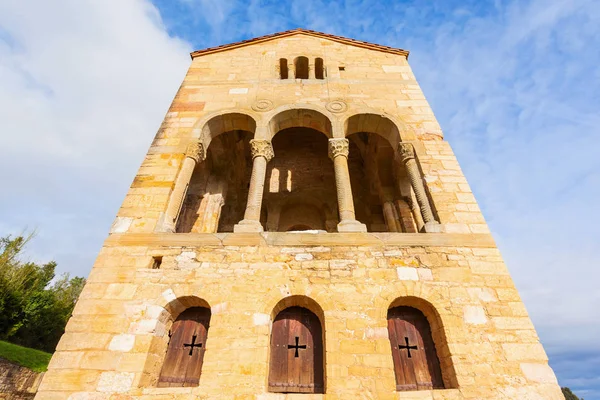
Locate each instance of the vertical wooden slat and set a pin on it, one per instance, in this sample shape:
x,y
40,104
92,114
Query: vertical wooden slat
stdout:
x,y
194,368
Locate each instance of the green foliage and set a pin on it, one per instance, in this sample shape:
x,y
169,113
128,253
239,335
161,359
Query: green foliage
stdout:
x,y
35,360
34,307
568,394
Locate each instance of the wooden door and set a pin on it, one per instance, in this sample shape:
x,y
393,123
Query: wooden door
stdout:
x,y
296,352
185,352
415,360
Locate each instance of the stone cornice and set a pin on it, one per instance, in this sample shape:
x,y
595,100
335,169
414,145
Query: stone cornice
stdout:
x,y
301,239
339,39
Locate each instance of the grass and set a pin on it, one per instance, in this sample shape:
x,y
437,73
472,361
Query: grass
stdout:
x,y
35,360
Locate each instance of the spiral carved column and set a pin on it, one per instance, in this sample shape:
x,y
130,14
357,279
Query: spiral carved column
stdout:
x,y
338,152
193,155
407,155
262,153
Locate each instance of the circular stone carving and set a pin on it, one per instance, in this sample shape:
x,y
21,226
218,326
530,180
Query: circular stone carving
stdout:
x,y
336,106
262,105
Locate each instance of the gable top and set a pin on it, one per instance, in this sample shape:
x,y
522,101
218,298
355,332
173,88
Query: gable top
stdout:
x,y
266,38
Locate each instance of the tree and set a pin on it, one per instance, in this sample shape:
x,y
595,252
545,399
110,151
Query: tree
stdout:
x,y
568,394
34,306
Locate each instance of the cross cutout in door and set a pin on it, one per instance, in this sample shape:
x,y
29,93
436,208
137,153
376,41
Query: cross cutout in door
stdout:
x,y
194,344
297,346
407,347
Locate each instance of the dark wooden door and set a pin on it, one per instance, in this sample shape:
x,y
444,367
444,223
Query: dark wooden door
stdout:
x,y
415,360
185,352
296,352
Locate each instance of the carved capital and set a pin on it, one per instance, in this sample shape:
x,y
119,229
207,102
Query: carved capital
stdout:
x,y
195,151
406,151
261,148
338,147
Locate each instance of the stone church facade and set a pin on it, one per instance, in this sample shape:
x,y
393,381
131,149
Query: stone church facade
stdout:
x,y
299,229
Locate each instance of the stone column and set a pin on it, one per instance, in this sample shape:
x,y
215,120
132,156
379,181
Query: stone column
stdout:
x,y
193,154
338,152
407,155
262,153
390,217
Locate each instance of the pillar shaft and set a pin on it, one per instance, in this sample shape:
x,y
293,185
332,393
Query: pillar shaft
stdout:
x,y
390,217
194,153
262,153
407,154
338,152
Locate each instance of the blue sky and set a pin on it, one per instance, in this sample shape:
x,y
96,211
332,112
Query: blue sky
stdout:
x,y
515,86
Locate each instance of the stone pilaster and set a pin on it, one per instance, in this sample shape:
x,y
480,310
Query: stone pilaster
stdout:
x,y
262,153
407,155
193,155
338,152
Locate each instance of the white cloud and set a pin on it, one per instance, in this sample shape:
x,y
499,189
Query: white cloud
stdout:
x,y
85,85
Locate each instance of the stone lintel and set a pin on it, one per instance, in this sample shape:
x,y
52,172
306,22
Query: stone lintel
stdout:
x,y
301,239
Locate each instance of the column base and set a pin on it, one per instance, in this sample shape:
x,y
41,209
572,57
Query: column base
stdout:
x,y
246,226
433,227
164,225
351,225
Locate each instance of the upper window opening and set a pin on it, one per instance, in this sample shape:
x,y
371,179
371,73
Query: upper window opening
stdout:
x,y
301,66
319,70
283,68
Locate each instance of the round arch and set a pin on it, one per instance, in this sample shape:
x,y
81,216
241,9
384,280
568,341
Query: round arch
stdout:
x,y
438,334
373,123
212,126
302,117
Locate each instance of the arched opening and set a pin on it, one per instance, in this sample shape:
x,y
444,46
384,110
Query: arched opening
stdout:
x,y
416,364
319,69
430,364
218,190
283,68
300,184
182,365
157,357
301,67
380,187
296,352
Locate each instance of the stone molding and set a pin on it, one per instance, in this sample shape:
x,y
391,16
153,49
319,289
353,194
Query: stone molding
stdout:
x,y
338,147
261,148
478,240
195,151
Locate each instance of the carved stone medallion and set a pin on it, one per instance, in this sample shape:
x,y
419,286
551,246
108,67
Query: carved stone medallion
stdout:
x,y
262,105
336,106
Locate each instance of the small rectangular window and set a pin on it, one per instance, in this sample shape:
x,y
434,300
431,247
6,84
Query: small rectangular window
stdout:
x,y
342,68
301,66
156,262
319,70
283,68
